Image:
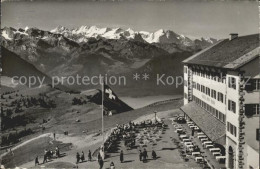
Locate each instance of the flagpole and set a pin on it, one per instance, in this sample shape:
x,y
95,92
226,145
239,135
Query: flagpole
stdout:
x,y
103,112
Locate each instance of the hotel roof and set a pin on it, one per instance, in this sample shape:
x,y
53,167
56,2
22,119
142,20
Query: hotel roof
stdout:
x,y
211,126
229,54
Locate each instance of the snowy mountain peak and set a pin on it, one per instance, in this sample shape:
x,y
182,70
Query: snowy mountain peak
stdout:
x,y
84,33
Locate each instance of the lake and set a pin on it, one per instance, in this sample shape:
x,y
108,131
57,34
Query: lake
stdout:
x,y
195,18
138,102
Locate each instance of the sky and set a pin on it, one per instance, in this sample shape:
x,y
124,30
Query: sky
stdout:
x,y
195,19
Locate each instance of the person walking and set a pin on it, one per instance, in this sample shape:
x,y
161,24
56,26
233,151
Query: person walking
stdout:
x,y
57,150
121,156
45,156
82,156
89,155
154,155
100,161
37,161
145,155
140,155
77,157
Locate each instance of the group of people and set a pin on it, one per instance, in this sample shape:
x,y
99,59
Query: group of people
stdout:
x,y
125,132
143,155
48,154
82,157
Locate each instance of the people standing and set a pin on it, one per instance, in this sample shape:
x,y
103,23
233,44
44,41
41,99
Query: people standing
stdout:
x,y
89,155
37,161
82,156
77,157
121,156
45,156
145,155
154,155
57,152
100,161
140,155
54,135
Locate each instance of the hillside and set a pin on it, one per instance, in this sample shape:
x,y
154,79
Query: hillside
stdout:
x,y
13,65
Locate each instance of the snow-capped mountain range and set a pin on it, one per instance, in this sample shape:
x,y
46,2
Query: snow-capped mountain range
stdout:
x,y
93,51
160,36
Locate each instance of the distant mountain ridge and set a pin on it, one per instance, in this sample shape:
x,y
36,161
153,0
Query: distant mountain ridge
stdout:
x,y
161,36
91,51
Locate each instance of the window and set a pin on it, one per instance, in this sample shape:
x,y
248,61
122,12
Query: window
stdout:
x,y
214,77
256,84
232,106
220,97
217,112
185,95
185,70
257,135
232,129
256,109
198,86
202,89
194,85
252,84
224,118
213,94
208,91
207,75
252,109
232,82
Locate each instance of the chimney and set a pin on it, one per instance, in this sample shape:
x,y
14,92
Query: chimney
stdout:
x,y
233,36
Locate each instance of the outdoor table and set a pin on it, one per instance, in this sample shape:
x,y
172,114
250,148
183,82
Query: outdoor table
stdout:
x,y
182,136
186,140
209,146
190,125
190,147
216,153
214,149
204,139
202,136
220,157
179,130
188,143
206,142
198,159
196,128
195,153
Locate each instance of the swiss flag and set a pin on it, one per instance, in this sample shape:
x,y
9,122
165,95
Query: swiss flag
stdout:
x,y
109,93
111,101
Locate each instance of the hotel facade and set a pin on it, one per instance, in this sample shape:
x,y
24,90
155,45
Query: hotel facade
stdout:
x,y
221,96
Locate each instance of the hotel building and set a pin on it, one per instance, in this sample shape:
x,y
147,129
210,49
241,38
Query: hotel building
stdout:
x,y
221,96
